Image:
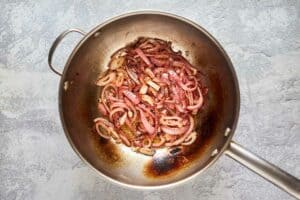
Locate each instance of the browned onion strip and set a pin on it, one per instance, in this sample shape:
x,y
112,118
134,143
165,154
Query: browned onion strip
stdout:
x,y
171,121
174,131
149,128
162,140
143,56
106,79
106,134
115,111
149,97
190,139
125,139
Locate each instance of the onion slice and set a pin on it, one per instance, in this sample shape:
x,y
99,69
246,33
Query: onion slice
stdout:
x,y
143,56
174,131
106,79
131,96
114,111
116,62
149,128
123,118
153,85
186,134
199,102
190,139
133,75
148,97
171,121
143,89
104,124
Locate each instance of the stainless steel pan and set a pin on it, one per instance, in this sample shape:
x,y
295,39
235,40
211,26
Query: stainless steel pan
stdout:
x,y
78,99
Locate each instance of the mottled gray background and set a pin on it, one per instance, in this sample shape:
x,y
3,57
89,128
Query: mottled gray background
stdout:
x,y
36,161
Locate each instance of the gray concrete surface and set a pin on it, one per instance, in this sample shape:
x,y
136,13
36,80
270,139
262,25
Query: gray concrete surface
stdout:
x,y
36,161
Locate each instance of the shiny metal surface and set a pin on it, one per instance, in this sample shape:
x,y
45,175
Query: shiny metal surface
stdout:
x,y
275,175
78,97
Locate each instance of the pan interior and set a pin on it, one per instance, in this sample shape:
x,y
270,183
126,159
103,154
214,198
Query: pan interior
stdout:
x,y
78,101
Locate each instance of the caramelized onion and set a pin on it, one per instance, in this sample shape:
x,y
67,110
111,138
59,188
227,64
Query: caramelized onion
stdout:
x,y
115,111
149,96
116,63
149,128
199,102
106,79
143,89
132,97
190,139
133,75
148,99
143,56
174,131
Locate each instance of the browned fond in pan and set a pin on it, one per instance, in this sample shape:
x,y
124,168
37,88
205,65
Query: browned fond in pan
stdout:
x,y
216,123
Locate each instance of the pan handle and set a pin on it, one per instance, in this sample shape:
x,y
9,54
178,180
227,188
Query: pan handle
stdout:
x,y
56,43
270,172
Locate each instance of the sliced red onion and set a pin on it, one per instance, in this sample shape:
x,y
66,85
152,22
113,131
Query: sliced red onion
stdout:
x,y
119,104
133,75
106,125
143,89
174,131
125,140
178,64
147,110
132,97
123,119
143,56
173,75
153,85
147,142
132,108
199,102
159,70
130,125
113,99
152,79
103,93
149,72
186,134
106,79
171,121
187,88
148,99
114,134
190,139
120,79
147,151
114,111
149,128
104,121
116,62
160,143
105,134
158,62
102,109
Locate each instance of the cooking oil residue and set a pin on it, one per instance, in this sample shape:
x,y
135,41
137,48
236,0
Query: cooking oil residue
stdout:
x,y
107,150
173,160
